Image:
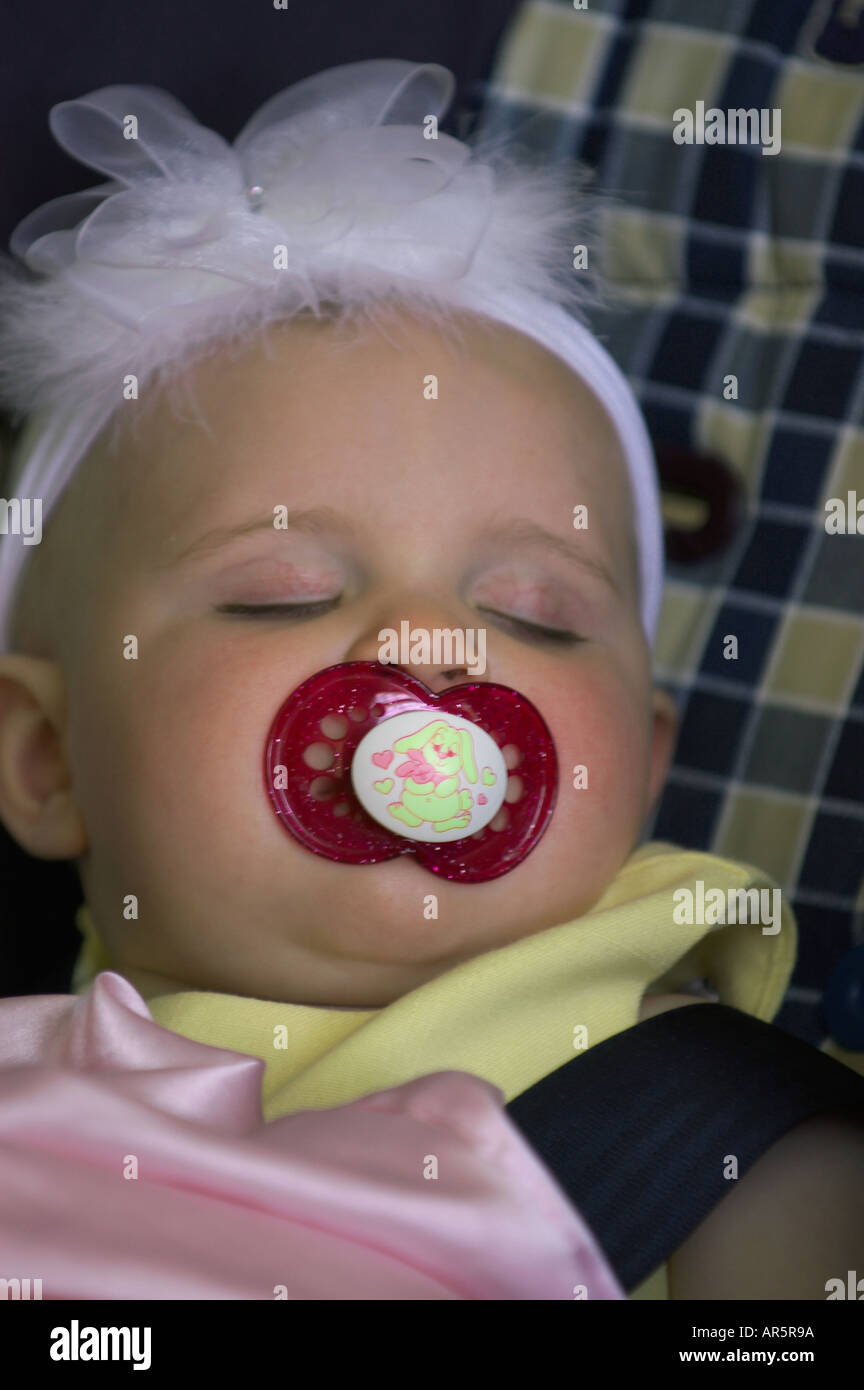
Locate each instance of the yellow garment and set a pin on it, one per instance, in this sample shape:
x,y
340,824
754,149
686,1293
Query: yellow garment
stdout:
x,y
509,1015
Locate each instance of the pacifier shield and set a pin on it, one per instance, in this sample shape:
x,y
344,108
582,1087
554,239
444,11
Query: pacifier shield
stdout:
x,y
363,763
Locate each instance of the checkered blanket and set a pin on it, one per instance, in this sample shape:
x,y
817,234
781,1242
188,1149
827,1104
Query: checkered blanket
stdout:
x,y
728,261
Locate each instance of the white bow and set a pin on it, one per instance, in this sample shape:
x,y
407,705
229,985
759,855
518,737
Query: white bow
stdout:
x,y
336,169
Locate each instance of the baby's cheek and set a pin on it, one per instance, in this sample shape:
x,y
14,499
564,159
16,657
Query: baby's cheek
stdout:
x,y
601,730
169,759
211,738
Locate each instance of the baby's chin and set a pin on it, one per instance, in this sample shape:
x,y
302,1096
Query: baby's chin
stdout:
x,y
398,929
362,936
399,914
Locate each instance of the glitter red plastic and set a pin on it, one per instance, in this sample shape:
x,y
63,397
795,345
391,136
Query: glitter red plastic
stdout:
x,y
314,798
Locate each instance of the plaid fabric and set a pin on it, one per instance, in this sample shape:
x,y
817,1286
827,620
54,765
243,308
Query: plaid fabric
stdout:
x,y
730,261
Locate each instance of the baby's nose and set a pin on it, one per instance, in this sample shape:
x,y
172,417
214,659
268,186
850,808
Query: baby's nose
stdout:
x,y
426,645
437,678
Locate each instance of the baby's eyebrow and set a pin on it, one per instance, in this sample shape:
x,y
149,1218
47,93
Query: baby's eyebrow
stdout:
x,y
528,533
322,520
313,521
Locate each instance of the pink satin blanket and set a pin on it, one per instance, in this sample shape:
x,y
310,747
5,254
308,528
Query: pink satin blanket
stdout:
x,y
324,1204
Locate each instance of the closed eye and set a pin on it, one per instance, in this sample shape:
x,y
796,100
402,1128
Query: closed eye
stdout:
x,y
535,630
277,610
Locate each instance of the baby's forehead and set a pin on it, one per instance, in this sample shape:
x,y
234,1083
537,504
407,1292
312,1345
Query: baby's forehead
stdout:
x,y
402,392
315,408
316,374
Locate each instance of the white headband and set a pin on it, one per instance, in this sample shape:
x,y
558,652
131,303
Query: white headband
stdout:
x,y
339,190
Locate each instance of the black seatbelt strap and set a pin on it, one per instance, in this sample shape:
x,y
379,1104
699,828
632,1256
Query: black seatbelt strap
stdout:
x,y
638,1128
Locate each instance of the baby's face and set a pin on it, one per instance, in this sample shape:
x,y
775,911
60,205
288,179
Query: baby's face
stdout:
x,y
455,512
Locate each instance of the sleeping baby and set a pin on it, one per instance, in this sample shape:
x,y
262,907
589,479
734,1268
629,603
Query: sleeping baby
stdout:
x,y
281,401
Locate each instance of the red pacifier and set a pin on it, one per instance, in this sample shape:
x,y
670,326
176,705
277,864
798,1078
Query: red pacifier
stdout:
x,y
363,763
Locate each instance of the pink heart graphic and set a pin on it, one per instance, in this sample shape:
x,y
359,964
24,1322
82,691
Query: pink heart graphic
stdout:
x,y
383,759
481,800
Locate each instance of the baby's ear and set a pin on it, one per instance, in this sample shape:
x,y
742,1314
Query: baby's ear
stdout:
x,y
37,804
663,737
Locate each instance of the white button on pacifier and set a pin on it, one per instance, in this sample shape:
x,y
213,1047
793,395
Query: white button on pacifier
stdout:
x,y
430,777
